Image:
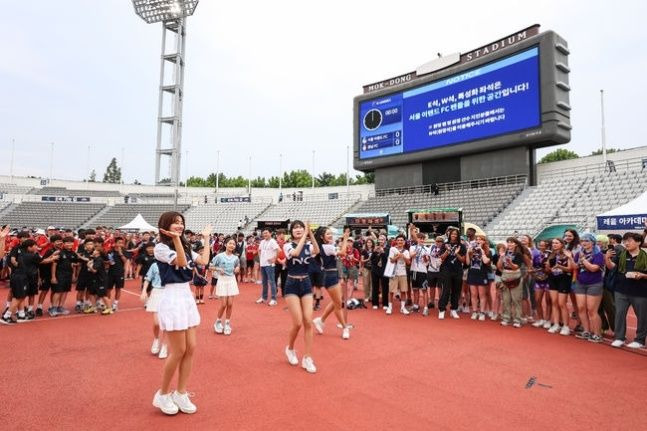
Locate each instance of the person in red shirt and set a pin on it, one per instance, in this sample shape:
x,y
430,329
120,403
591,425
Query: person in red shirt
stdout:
x,y
280,268
351,268
251,250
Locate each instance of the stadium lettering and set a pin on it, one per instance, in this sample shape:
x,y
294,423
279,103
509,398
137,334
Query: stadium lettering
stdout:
x,y
493,47
400,80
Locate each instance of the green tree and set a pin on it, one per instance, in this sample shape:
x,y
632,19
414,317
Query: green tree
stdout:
x,y
298,178
273,182
559,154
113,172
93,176
599,151
325,179
196,182
259,182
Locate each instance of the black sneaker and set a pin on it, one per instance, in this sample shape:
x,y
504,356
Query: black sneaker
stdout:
x,y
7,320
22,319
77,308
595,338
430,305
31,315
39,312
584,335
578,329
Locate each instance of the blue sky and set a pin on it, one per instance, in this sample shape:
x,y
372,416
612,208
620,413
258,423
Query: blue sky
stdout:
x,y
265,78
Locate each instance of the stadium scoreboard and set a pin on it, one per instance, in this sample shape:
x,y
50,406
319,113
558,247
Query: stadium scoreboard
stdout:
x,y
513,92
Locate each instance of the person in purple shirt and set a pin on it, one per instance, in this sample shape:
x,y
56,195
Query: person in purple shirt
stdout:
x,y
588,290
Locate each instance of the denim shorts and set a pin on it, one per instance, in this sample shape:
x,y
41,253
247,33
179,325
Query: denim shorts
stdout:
x,y
594,289
331,278
298,286
317,278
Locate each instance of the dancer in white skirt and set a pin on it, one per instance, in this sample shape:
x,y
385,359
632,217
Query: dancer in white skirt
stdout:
x,y
227,266
151,295
177,312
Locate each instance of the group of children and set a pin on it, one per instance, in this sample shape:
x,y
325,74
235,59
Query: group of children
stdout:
x,y
51,267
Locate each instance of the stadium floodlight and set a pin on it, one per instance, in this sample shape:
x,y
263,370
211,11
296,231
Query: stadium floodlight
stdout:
x,y
172,14
153,11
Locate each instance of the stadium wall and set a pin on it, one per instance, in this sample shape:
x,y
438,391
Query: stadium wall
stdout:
x,y
364,189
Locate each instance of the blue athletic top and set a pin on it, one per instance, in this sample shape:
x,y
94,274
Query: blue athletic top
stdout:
x,y
170,274
153,276
298,265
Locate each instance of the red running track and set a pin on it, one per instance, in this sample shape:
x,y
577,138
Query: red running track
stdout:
x,y
396,372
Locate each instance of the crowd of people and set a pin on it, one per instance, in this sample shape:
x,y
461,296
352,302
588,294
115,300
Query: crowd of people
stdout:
x,y
516,282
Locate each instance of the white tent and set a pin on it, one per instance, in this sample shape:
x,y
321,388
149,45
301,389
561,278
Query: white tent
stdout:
x,y
628,217
139,224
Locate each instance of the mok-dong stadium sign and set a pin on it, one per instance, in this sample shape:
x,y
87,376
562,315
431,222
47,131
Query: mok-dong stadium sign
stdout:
x,y
479,52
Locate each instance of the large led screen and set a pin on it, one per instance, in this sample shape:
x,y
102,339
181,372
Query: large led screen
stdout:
x,y
490,100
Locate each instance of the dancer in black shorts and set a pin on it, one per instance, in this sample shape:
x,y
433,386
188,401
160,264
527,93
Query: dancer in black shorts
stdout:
x,y
328,255
298,291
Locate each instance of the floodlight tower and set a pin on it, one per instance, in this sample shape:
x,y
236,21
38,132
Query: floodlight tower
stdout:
x,y
172,14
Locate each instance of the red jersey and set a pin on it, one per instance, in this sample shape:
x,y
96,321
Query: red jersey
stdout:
x,y
352,258
250,251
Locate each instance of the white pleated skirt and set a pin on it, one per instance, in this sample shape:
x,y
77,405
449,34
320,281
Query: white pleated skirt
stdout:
x,y
177,310
153,301
227,286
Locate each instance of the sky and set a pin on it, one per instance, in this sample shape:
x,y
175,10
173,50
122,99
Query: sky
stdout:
x,y
269,78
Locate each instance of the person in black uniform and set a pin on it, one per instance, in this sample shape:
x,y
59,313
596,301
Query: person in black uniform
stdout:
x,y
97,267
144,260
116,270
62,276
84,278
24,281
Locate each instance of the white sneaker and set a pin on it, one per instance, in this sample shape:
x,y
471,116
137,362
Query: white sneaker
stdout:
x,y
441,315
517,324
260,300
227,330
217,327
538,324
319,325
345,334
425,311
384,307
454,314
375,307
482,317
155,348
635,345
404,310
565,330
547,324
183,402
554,329
617,343
389,310
272,303
308,364
494,316
165,403
474,316
163,352
292,356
